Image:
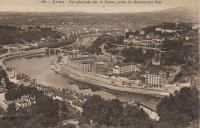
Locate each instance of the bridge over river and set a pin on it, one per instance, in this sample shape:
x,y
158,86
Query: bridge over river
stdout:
x,y
44,75
19,54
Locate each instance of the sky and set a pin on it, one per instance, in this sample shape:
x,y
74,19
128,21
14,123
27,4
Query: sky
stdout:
x,y
37,6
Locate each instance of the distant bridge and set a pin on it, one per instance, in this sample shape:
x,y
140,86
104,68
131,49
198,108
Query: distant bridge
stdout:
x,y
19,54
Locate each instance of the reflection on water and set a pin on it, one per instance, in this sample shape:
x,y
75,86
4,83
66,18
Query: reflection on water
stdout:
x,y
38,68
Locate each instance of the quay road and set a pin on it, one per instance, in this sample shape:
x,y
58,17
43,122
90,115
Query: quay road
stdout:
x,y
103,81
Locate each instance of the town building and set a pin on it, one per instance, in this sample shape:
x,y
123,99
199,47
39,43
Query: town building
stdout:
x,y
73,54
2,88
100,67
155,79
194,27
165,30
148,43
85,62
125,69
25,46
156,60
142,32
83,65
3,83
25,102
12,73
12,48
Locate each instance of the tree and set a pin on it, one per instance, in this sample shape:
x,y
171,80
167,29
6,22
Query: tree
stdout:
x,y
136,55
133,117
38,121
113,114
10,85
162,124
119,39
47,106
11,111
104,38
18,92
6,124
115,110
95,109
3,74
180,109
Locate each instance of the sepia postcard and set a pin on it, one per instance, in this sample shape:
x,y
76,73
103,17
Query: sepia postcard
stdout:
x,y
99,64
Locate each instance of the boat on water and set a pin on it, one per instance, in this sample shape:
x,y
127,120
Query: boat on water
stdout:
x,y
105,81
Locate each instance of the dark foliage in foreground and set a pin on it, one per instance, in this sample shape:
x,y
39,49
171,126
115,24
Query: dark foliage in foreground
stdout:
x,y
112,113
45,113
179,110
16,93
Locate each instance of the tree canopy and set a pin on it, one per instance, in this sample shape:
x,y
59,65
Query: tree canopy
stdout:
x,y
112,113
180,109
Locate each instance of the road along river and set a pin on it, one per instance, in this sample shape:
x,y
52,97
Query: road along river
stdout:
x,y
38,68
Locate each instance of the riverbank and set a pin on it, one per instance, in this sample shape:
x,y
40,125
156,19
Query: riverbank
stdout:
x,y
57,94
41,71
97,80
7,56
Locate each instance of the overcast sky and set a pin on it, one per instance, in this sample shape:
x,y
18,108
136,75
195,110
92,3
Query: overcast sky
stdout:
x,y
36,5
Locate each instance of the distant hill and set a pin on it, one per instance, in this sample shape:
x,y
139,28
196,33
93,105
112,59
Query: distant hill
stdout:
x,y
181,14
136,19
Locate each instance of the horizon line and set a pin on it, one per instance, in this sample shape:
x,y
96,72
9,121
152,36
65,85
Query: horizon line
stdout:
x,y
113,12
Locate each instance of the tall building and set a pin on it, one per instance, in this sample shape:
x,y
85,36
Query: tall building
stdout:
x,y
125,69
101,67
81,65
154,79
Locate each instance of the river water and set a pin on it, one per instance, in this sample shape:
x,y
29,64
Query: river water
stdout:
x,y
38,68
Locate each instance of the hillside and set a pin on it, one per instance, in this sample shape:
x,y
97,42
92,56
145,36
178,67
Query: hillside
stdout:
x,y
135,19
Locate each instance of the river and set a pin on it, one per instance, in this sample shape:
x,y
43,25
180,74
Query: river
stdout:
x,y
38,68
